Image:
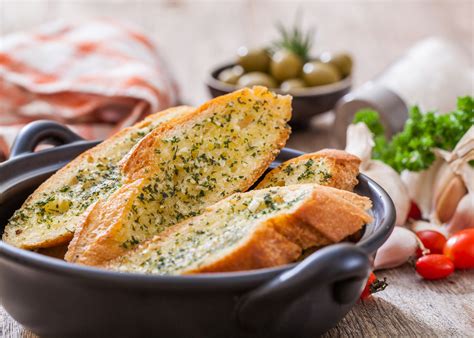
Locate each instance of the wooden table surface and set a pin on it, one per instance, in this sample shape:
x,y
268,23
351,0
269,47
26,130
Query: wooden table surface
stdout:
x,y
195,35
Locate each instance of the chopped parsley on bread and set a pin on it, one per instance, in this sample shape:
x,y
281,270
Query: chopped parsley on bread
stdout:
x,y
252,230
51,215
329,167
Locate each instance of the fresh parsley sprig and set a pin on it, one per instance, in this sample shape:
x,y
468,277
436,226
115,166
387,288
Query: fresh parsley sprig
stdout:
x,y
412,148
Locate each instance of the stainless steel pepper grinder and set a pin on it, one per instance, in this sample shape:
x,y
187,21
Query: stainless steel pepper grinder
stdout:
x,y
391,107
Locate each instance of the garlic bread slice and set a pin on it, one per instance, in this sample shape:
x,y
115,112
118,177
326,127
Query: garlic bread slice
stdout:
x,y
221,148
52,213
247,122
257,229
329,167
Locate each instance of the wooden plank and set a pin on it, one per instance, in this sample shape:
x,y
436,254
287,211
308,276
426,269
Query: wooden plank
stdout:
x,y
412,307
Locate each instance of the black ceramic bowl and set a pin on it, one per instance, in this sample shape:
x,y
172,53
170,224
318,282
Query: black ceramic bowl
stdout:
x,y
307,102
55,298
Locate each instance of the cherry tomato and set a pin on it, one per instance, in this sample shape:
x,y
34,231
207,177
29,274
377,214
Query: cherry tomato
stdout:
x,y
414,212
432,240
434,266
460,249
373,285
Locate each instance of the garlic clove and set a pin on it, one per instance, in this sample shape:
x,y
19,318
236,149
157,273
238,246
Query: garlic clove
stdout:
x,y
447,199
397,250
391,182
421,188
360,143
443,177
422,225
464,215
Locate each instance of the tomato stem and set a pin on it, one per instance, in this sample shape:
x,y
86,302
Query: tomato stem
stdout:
x,y
378,285
423,248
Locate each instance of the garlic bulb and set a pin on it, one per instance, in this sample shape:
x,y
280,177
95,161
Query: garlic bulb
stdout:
x,y
360,143
439,190
447,198
459,191
459,162
393,185
397,250
421,188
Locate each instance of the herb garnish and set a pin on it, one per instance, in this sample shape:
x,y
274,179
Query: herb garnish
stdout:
x,y
412,148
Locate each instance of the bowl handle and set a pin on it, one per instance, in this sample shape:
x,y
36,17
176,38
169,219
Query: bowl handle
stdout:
x,y
343,266
39,131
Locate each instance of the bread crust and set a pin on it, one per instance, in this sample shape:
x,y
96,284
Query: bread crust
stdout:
x,y
344,168
66,173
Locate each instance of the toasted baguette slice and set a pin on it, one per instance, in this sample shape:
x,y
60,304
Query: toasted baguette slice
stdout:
x,y
181,168
329,167
257,229
103,226
52,213
248,123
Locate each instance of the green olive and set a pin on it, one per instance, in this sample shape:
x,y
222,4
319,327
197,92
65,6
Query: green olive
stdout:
x,y
285,65
292,84
255,79
342,61
316,73
253,60
231,75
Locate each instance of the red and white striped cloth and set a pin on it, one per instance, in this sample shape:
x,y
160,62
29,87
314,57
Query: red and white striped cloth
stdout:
x,y
95,76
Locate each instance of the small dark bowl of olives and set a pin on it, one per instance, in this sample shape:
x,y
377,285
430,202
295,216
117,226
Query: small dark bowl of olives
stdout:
x,y
316,84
